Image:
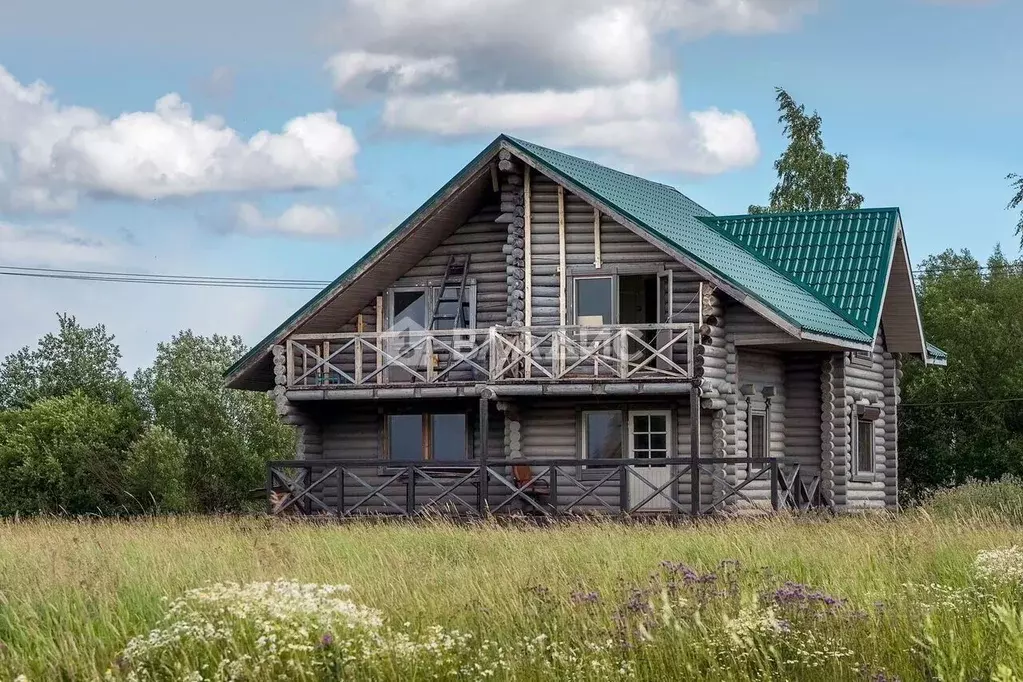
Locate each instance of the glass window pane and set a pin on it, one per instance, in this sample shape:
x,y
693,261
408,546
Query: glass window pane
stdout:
x,y
658,423
659,441
866,446
641,441
447,443
603,435
405,437
757,436
409,310
593,301
641,422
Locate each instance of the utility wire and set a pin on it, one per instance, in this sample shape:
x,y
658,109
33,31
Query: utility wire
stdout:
x,y
964,402
175,280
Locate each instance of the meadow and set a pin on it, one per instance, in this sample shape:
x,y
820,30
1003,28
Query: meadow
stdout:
x,y
934,593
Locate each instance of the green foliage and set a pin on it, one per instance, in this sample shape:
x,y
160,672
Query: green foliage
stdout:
x,y
77,437
965,420
1001,499
156,471
76,358
227,435
63,455
1016,183
809,178
854,598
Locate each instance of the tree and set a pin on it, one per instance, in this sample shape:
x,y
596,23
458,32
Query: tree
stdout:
x,y
76,358
965,420
1016,183
155,472
227,435
64,455
809,179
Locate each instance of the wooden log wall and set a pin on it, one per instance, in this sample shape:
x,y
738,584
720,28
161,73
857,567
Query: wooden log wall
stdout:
x,y
512,215
892,382
864,384
802,411
711,360
308,434
834,430
762,368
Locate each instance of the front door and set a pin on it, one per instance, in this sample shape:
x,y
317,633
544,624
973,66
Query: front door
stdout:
x,y
649,441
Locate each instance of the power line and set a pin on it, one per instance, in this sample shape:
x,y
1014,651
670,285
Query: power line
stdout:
x,y
964,402
150,278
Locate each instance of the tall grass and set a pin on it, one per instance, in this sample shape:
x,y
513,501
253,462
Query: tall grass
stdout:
x,y
867,597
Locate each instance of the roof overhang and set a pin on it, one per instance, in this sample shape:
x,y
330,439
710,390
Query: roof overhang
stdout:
x,y
900,311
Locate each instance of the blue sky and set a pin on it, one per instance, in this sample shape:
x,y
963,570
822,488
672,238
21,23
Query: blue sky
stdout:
x,y
918,93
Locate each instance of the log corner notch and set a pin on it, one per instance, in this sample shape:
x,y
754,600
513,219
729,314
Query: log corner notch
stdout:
x,y
513,214
308,433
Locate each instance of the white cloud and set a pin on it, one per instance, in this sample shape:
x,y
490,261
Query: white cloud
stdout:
x,y
300,220
54,245
641,123
587,73
58,152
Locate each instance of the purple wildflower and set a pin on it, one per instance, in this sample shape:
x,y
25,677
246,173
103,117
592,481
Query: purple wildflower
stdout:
x,y
327,640
585,597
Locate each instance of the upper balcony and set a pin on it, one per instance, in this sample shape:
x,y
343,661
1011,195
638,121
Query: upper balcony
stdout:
x,y
654,358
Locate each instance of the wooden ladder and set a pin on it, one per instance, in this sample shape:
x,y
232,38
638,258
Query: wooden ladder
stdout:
x,y
456,272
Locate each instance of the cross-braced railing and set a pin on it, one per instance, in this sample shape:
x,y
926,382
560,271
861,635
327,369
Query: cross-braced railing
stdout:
x,y
547,487
498,354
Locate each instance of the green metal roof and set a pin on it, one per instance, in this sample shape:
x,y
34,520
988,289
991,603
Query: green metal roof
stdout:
x,y
678,221
822,272
841,257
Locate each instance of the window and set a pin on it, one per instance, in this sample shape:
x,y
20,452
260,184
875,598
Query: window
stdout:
x,y
427,437
602,434
758,446
649,435
863,358
594,301
412,308
864,446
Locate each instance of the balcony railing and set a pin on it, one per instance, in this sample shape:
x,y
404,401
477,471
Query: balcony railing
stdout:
x,y
552,487
654,352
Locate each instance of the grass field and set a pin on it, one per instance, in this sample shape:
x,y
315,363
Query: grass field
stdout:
x,y
802,599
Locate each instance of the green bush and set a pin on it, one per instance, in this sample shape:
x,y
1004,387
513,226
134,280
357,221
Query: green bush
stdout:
x,y
1001,499
155,472
64,455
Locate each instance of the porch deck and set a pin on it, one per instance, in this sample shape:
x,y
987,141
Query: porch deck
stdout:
x,y
616,487
553,356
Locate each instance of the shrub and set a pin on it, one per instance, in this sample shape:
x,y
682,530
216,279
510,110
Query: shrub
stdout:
x,y
155,471
1001,499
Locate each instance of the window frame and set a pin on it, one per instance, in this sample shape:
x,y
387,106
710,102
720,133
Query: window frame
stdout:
x,y
861,358
765,437
431,294
860,421
613,279
426,439
584,440
669,432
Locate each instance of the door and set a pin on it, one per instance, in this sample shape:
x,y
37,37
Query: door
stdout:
x,y
409,317
649,441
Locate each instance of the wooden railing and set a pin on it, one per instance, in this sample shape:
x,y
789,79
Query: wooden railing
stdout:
x,y
555,487
498,354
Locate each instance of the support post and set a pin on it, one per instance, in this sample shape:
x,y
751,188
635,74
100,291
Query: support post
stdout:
x,y
774,484
527,247
694,449
562,265
483,497
269,488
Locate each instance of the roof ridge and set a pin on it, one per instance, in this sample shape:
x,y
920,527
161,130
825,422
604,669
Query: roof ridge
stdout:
x,y
827,211
709,220
520,141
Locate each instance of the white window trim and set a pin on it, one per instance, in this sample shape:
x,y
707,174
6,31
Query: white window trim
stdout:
x,y
669,431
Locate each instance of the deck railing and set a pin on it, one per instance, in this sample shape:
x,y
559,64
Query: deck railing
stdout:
x,y
554,488
499,354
